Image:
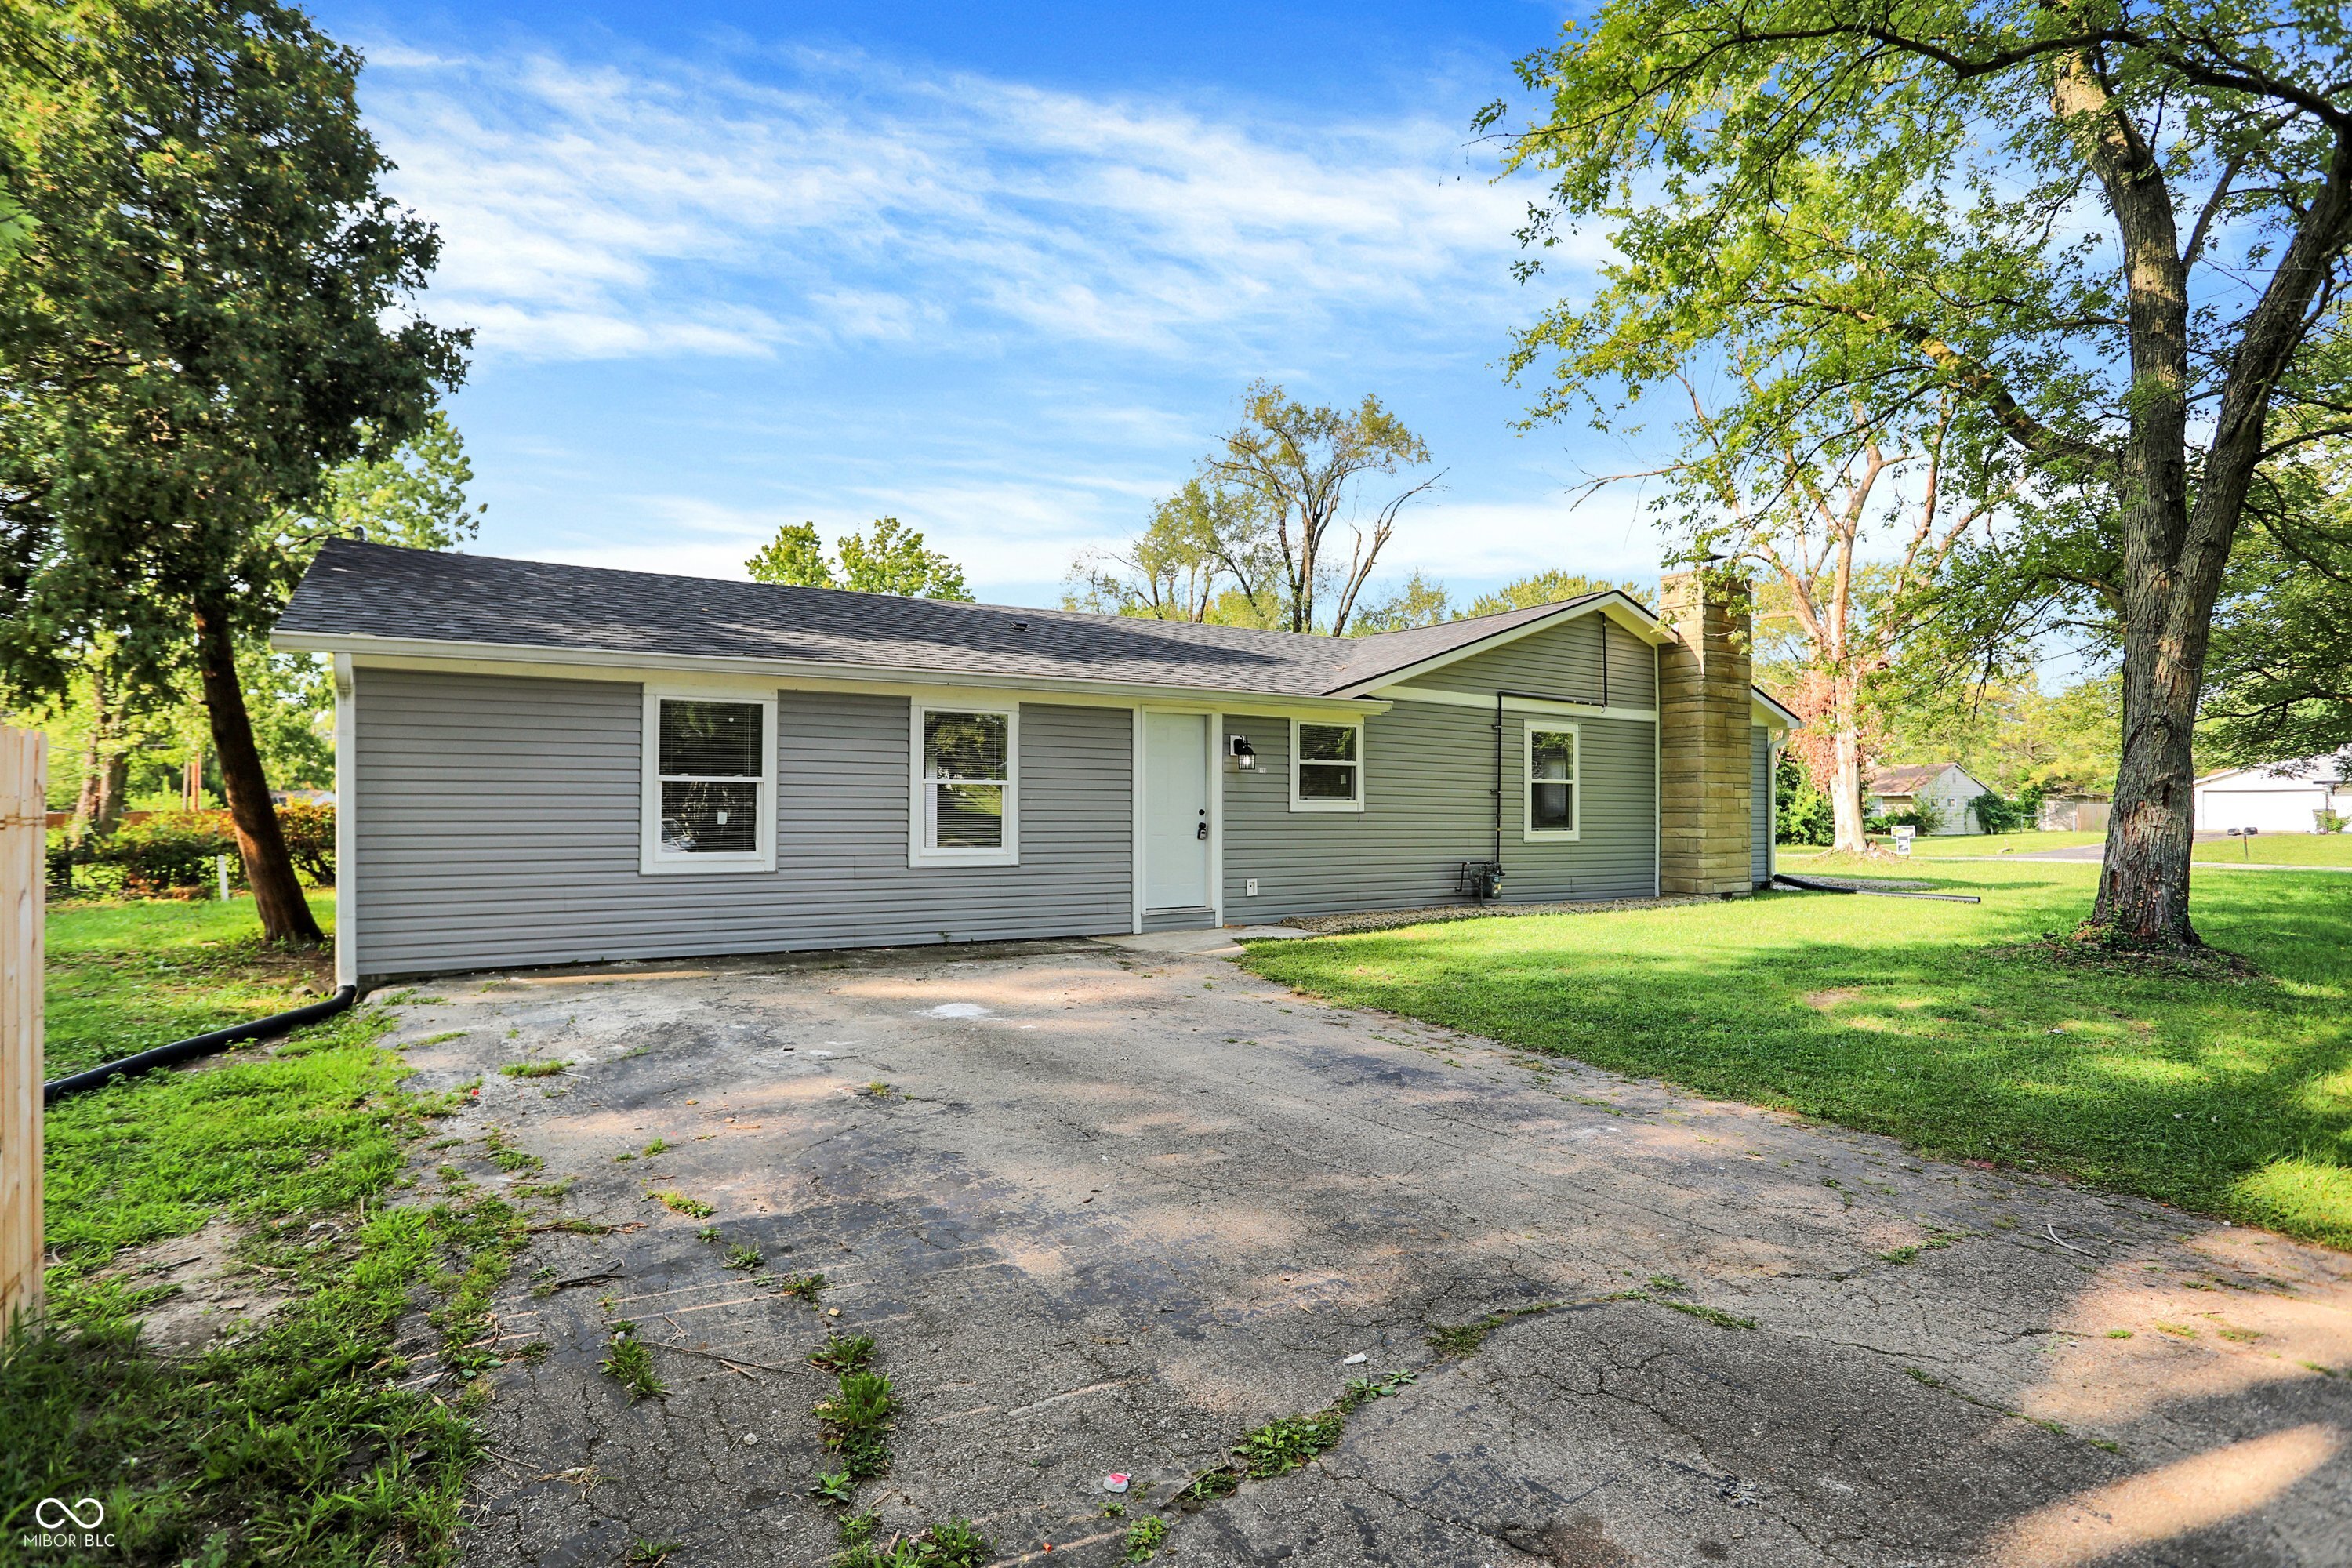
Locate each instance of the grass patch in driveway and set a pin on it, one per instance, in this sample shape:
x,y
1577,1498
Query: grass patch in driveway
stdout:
x,y
1943,1025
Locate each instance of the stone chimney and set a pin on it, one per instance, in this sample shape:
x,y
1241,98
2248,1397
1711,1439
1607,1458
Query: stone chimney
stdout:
x,y
1705,797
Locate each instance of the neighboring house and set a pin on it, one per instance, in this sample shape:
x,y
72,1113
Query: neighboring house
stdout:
x,y
1939,792
539,763
2281,797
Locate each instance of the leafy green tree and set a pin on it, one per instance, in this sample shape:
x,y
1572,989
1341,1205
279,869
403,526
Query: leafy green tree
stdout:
x,y
2007,730
2280,669
211,312
796,557
1848,515
890,559
1555,587
1305,468
1203,543
893,559
1419,602
413,496
2115,237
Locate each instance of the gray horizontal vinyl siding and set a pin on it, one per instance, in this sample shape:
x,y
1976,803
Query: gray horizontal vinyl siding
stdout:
x,y
1429,806
497,823
1760,793
1179,920
1563,661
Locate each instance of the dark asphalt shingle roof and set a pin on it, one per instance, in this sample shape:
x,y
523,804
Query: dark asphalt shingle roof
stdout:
x,y
433,596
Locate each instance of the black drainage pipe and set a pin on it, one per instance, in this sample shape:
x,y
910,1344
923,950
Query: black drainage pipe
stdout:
x,y
1812,886
197,1046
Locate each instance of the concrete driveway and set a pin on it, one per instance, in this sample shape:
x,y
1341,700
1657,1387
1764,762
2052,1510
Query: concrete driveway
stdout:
x,y
1120,1207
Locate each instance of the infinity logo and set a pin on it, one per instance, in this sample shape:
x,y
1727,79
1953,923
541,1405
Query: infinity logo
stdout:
x,y
51,1513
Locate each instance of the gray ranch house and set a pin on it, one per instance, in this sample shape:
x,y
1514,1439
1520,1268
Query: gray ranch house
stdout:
x,y
539,763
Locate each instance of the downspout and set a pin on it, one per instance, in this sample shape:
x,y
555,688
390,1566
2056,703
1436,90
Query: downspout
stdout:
x,y
1498,780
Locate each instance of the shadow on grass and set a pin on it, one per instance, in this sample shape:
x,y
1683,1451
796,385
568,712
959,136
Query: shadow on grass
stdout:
x,y
1939,1023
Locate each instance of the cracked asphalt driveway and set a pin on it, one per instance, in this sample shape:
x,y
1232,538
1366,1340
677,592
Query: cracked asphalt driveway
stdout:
x,y
1119,1207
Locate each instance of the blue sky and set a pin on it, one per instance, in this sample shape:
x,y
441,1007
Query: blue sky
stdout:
x,y
1002,276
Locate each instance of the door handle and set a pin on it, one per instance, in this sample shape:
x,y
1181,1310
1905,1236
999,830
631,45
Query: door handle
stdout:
x,y
1203,833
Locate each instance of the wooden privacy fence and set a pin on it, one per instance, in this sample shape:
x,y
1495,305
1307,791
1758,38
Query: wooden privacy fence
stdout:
x,y
23,840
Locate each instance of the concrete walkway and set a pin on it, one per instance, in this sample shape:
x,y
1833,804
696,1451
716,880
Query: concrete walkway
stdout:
x,y
1107,1210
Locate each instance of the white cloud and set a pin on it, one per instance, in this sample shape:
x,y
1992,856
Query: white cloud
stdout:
x,y
598,210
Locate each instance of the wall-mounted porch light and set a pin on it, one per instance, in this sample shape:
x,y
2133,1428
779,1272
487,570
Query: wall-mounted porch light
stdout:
x,y
1244,755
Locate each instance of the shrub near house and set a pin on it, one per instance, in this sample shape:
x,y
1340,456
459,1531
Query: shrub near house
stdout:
x,y
177,852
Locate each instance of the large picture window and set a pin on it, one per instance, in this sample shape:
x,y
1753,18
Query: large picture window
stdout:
x,y
1326,766
966,795
1551,780
710,783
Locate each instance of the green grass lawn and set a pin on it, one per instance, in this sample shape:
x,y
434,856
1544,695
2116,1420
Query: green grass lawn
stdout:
x,y
1942,1025
1968,844
127,975
292,1443
2281,849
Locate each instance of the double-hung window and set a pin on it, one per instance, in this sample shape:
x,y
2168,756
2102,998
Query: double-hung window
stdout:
x,y
1326,766
1552,788
965,808
710,783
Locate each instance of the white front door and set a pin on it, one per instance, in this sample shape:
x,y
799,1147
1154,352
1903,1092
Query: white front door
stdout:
x,y
1175,811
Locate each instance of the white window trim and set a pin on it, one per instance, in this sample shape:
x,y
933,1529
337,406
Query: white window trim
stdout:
x,y
1299,803
656,861
1527,781
920,854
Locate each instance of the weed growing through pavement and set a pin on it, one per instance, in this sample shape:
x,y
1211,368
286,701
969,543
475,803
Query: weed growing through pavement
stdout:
x,y
504,1156
1721,1319
1285,1443
841,1353
1454,1340
708,1234
678,1203
745,1258
837,1487
533,1069
800,1287
877,1089
655,1147
955,1544
857,1421
1143,1539
1362,1391
653,1553
631,1365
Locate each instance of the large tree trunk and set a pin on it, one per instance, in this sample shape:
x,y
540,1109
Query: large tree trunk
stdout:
x,y
106,768
269,870
2144,887
1846,795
